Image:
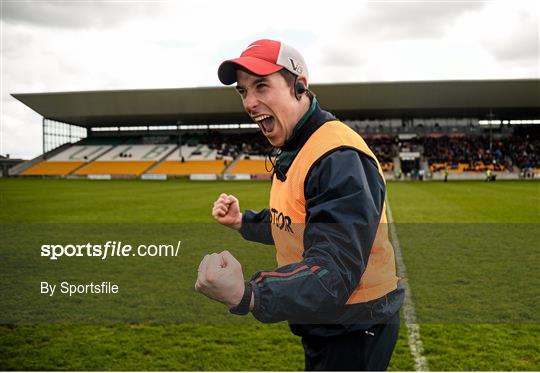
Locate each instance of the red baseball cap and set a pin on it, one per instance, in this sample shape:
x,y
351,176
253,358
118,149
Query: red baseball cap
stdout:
x,y
264,57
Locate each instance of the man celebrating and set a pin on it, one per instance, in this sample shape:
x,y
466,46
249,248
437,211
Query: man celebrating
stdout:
x,y
336,280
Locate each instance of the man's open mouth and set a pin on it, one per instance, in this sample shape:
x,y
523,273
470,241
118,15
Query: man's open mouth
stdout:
x,y
265,122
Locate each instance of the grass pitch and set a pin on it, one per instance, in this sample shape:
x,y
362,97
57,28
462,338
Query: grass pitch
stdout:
x,y
451,343
471,252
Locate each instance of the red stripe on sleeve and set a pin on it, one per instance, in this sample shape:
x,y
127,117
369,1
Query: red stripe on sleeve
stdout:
x,y
279,274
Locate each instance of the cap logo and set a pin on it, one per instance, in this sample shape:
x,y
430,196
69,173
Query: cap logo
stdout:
x,y
296,66
253,45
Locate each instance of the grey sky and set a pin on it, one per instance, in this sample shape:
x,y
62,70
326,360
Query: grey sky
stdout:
x,y
97,45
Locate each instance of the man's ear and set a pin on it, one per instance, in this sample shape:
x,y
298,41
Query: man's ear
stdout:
x,y
300,87
302,79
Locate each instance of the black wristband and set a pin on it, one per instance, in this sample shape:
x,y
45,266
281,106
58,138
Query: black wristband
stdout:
x,y
243,307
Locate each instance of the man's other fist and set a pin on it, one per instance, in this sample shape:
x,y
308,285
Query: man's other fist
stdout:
x,y
220,278
226,211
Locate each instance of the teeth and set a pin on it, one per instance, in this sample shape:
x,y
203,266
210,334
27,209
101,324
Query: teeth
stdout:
x,y
260,117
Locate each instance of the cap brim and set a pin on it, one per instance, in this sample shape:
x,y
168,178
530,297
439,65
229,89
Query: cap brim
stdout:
x,y
227,70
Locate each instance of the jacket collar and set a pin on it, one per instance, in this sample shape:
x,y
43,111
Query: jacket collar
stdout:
x,y
310,122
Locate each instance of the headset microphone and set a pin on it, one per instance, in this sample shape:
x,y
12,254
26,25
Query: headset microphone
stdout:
x,y
275,168
279,174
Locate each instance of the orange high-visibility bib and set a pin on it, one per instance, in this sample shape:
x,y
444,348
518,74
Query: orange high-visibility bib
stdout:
x,y
288,212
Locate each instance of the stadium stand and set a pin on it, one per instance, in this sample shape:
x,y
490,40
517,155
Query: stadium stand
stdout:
x,y
67,161
127,160
468,127
189,167
253,166
460,153
192,159
52,168
244,154
105,140
216,153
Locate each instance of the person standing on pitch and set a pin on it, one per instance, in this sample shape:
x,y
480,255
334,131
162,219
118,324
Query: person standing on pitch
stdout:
x,y
336,280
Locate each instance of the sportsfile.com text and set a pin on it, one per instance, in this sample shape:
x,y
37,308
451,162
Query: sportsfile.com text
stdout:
x,y
109,249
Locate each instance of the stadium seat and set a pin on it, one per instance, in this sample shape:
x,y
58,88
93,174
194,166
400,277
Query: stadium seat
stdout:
x,y
115,168
387,166
249,166
189,167
52,168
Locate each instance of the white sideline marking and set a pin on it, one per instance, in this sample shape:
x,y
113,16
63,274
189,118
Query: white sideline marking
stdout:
x,y
409,314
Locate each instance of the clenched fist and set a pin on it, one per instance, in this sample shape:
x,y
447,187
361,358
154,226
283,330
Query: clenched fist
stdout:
x,y
226,211
220,278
